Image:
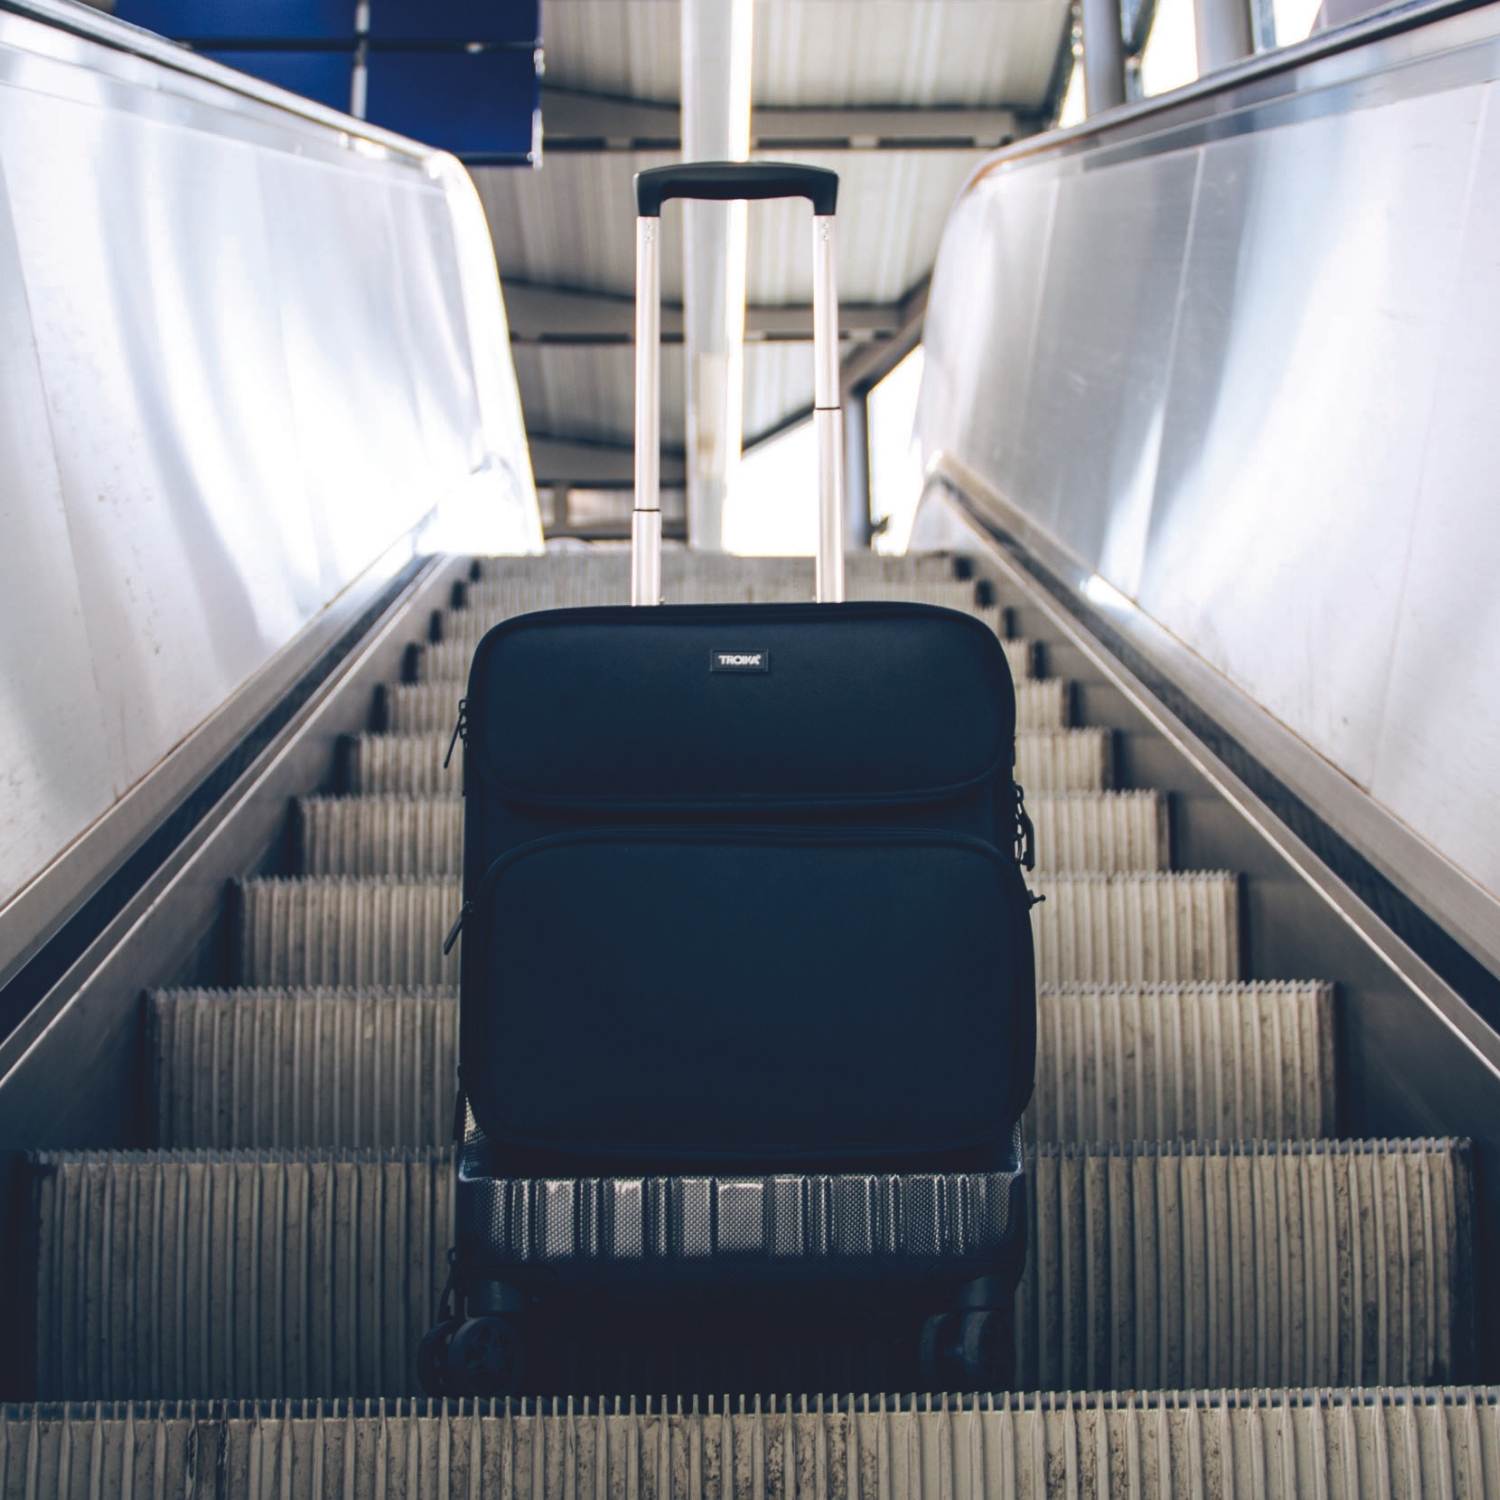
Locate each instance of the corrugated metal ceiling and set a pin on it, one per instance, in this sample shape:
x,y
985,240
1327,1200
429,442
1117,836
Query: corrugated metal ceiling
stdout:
x,y
570,223
824,52
589,393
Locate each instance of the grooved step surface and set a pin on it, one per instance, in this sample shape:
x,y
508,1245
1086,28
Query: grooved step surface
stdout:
x,y
424,836
1194,1445
184,1274
679,564
180,1274
293,1068
489,602
342,930
321,1068
402,765
432,707
1050,761
338,931
1108,832
413,836
448,660
1047,761
1130,928
1208,1062
1306,1263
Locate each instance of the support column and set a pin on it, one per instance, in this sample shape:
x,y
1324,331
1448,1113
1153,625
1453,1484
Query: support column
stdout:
x,y
1223,33
716,53
1103,56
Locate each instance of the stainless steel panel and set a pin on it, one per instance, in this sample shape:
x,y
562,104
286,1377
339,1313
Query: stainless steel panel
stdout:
x,y
1310,340
54,766
1101,355
1256,405
247,346
191,539
1437,759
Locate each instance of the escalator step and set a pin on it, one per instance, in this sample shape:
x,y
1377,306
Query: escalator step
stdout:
x,y
678,564
1047,761
1191,1445
499,599
164,1275
405,765
448,660
1050,761
1116,929
342,930
299,1068
1302,1263
413,836
330,1068
432,707
336,931
1191,1061
417,836
1111,831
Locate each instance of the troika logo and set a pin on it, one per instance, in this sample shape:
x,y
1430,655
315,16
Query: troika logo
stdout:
x,y
739,661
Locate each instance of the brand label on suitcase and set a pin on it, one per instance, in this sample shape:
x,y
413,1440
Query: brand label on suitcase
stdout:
x,y
739,661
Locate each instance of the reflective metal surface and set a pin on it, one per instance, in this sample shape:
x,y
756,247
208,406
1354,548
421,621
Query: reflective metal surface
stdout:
x,y
1234,353
245,346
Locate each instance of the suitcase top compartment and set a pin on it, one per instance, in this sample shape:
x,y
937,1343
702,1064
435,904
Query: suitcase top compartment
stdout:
x,y
732,704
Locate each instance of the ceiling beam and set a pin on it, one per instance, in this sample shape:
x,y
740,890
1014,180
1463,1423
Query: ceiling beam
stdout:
x,y
542,314
585,463
573,120
866,366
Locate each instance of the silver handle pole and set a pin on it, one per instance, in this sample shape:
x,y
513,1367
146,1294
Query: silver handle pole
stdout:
x,y
645,520
828,413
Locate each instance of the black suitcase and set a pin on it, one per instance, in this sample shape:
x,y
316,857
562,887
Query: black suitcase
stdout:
x,y
747,997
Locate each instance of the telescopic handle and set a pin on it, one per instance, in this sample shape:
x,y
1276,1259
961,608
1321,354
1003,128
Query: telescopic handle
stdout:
x,y
731,181
735,181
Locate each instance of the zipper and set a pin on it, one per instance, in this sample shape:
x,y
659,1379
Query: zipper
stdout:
x,y
460,732
1025,838
464,913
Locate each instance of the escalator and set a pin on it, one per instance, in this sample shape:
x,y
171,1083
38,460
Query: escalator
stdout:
x,y
1237,1283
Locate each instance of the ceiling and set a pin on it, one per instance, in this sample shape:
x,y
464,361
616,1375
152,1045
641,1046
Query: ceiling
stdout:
x,y
901,97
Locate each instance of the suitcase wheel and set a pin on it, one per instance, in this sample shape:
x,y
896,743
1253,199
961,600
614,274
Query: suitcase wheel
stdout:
x,y
971,1351
486,1356
432,1356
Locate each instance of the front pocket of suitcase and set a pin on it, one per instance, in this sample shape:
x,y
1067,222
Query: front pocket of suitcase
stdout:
x,y
767,996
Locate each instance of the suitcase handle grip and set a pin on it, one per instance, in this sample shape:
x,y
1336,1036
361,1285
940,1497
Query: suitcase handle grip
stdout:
x,y
732,181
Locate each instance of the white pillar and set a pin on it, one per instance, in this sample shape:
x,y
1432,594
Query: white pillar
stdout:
x,y
1103,56
717,37
1223,33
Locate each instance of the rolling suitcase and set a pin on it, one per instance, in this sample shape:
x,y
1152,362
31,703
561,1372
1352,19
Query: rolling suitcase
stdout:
x,y
747,1001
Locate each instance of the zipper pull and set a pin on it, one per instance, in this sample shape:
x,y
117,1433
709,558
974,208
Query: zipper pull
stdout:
x,y
460,731
456,928
1025,832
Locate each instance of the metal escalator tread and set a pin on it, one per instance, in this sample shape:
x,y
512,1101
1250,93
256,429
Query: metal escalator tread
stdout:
x,y
493,601
348,930
303,1068
338,930
432,707
1136,926
361,1068
1204,1062
419,836
1288,1444
1047,760
250,1274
